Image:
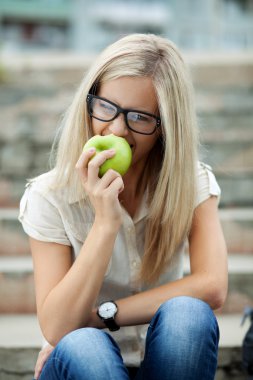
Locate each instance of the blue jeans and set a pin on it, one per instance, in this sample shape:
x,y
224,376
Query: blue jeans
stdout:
x,y
181,344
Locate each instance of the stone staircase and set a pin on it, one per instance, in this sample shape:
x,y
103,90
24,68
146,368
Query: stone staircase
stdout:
x,y
16,273
34,93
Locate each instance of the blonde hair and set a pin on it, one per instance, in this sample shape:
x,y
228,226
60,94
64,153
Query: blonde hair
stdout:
x,y
172,164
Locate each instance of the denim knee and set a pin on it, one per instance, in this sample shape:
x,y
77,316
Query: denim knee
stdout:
x,y
182,341
185,314
83,342
87,353
184,324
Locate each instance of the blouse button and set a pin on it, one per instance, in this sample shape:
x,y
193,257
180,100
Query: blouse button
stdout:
x,y
135,264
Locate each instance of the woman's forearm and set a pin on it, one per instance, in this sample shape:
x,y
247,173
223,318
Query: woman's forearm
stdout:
x,y
69,304
140,308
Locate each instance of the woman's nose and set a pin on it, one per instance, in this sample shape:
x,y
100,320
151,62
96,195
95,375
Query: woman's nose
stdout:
x,y
118,126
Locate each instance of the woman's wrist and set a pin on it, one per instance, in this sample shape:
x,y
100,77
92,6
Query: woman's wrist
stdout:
x,y
107,226
95,321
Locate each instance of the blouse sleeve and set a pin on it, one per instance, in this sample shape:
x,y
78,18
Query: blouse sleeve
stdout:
x,y
207,185
40,218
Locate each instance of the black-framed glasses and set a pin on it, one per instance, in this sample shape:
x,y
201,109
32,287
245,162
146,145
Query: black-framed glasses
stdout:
x,y
138,121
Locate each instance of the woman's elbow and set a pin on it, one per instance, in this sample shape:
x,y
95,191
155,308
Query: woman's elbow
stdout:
x,y
51,336
53,333
218,299
217,294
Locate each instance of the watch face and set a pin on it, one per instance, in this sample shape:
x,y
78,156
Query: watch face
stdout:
x,y
107,310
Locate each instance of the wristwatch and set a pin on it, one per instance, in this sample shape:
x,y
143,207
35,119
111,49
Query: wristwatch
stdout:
x,y
107,311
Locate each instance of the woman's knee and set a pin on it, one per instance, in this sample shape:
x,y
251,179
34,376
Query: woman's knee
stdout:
x,y
183,340
89,350
86,352
188,316
84,341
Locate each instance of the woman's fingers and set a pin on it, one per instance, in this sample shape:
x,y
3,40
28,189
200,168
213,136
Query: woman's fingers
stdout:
x,y
103,192
89,169
42,358
117,186
96,162
109,178
82,163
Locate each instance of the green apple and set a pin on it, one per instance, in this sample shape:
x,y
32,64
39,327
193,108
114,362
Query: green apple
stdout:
x,y
122,159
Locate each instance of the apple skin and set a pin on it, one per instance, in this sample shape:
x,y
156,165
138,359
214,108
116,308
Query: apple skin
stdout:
x,y
122,159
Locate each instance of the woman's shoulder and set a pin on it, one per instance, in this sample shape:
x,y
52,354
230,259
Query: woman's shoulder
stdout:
x,y
43,182
41,212
45,185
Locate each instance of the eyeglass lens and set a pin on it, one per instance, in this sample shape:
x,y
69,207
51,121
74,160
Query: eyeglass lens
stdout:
x,y
106,111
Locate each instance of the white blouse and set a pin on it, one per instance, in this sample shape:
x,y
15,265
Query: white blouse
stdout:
x,y
50,216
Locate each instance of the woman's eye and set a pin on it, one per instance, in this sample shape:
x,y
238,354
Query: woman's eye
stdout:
x,y
107,107
138,117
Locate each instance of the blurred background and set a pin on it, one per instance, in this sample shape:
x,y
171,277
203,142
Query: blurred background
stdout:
x,y
82,25
46,47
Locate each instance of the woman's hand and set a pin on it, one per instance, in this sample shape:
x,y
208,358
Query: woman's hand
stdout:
x,y
103,192
42,358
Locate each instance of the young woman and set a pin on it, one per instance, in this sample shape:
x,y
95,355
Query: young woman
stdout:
x,y
108,252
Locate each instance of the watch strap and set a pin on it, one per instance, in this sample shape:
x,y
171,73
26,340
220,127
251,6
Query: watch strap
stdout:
x,y
111,324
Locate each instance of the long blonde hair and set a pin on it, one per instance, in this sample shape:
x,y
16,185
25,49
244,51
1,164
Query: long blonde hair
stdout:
x,y
172,163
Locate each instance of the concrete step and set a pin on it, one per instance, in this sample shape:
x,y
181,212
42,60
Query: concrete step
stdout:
x,y
20,343
229,157
237,225
230,351
209,69
11,190
21,339
14,242
214,102
237,189
227,145
17,293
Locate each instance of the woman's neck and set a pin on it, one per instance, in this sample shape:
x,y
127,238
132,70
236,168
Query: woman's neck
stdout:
x,y
134,178
135,182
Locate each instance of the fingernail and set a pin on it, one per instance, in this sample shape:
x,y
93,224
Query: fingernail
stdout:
x,y
112,150
92,150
